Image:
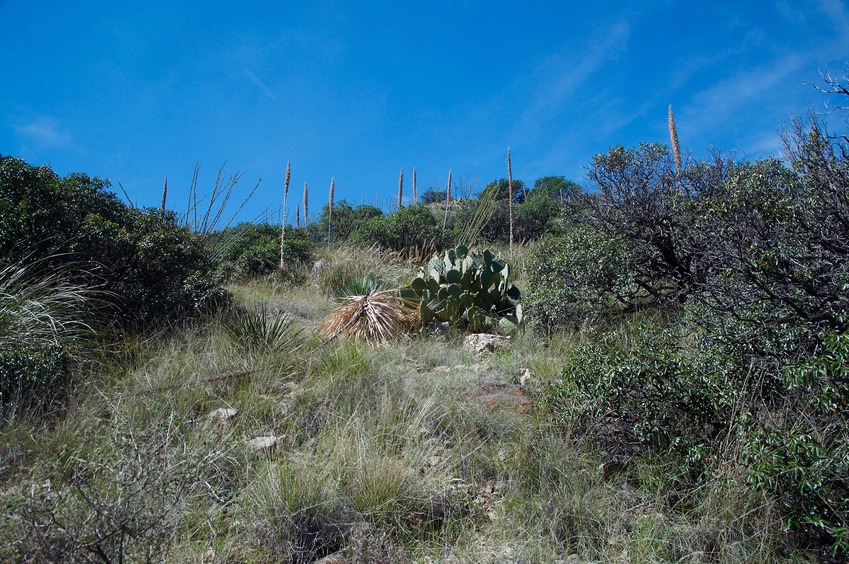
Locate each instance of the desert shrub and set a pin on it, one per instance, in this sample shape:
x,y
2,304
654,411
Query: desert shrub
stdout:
x,y
535,217
33,377
148,266
641,201
575,277
403,230
799,451
637,385
153,269
346,220
252,250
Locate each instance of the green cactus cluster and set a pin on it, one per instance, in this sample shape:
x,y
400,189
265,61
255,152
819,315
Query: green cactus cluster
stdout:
x,y
473,289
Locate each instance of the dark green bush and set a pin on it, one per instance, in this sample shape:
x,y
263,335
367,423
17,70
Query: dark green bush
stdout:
x,y
33,377
575,277
346,219
406,229
148,266
251,250
638,382
800,452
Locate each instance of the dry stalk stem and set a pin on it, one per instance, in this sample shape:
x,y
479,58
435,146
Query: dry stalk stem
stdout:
x,y
298,216
164,195
673,136
447,201
400,189
510,196
415,191
330,209
285,197
306,209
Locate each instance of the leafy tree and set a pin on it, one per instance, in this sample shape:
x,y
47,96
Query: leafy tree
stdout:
x,y
556,188
249,250
641,201
501,190
346,219
401,231
433,195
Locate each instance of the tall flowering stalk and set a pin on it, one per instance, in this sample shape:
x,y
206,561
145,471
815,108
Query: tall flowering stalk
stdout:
x,y
164,195
510,196
415,191
673,136
330,208
447,201
400,190
306,208
285,197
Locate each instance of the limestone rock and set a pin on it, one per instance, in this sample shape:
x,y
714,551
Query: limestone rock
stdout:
x,y
222,415
526,378
264,443
483,343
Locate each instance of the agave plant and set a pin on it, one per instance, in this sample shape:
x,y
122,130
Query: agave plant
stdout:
x,y
261,331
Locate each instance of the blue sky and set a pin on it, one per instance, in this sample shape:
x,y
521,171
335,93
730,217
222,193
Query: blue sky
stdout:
x,y
137,91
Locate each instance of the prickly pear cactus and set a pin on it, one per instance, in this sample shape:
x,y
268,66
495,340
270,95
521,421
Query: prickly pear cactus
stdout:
x,y
475,290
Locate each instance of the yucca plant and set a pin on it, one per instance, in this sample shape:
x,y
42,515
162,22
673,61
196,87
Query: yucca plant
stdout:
x,y
306,206
510,197
447,201
366,310
330,208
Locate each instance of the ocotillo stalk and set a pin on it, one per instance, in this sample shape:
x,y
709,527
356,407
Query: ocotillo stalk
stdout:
x,y
164,195
415,192
285,197
510,196
306,209
447,201
400,190
673,136
330,209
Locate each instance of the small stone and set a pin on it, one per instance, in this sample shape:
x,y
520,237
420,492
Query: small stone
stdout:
x,y
526,378
335,558
264,443
483,343
222,415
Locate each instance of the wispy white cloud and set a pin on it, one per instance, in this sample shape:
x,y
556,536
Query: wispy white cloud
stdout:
x,y
562,74
837,14
259,84
42,132
713,108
